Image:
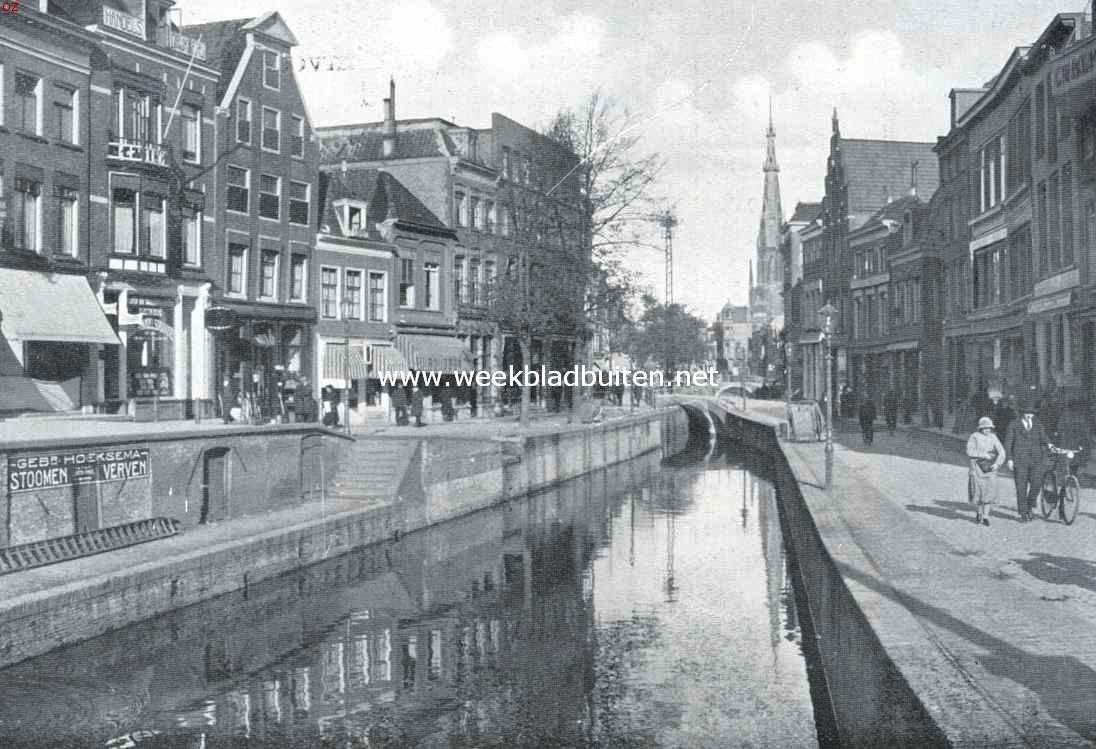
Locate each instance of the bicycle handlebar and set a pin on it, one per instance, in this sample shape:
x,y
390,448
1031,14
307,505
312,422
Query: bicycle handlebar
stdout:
x,y
1055,450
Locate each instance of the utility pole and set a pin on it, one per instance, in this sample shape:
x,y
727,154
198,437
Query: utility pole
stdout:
x,y
667,220
827,313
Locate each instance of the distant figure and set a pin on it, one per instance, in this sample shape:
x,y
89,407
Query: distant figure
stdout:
x,y
847,401
986,455
1072,434
417,406
226,400
867,420
890,410
399,404
304,402
330,407
1003,415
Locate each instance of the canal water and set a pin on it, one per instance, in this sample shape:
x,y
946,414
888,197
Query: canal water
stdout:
x,y
648,605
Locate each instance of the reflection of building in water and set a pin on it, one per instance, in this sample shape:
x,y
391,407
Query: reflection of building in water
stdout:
x,y
772,549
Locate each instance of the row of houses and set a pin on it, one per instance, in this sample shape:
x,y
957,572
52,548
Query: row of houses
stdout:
x,y
175,231
963,268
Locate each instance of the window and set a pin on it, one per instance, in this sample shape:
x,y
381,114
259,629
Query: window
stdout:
x,y
1066,200
64,114
237,269
991,177
298,202
459,210
67,228
407,282
474,213
296,137
378,304
507,220
192,133
489,212
489,278
458,280
135,115
272,129
353,299
27,88
270,196
152,225
298,277
474,285
430,287
506,163
239,189
1054,225
355,218
268,274
24,214
243,121
329,293
192,239
272,70
124,205
1040,121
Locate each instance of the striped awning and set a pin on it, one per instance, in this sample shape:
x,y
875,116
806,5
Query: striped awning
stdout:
x,y
435,353
388,360
336,365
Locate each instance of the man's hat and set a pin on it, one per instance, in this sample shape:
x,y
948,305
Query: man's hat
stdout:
x,y
1026,406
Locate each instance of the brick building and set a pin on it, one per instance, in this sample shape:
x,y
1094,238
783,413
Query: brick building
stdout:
x,y
791,253
263,206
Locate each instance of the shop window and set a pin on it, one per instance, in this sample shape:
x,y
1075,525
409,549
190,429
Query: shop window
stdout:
x,y
150,357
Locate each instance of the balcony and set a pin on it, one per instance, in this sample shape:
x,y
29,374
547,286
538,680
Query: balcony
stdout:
x,y
181,43
135,151
124,22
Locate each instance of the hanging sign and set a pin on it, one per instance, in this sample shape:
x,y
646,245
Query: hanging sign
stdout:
x,y
220,319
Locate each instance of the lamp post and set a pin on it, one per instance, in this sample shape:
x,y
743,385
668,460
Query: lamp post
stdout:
x,y
827,313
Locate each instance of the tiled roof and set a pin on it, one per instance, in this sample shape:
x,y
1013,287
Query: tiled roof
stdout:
x,y
368,146
878,169
806,212
224,46
385,195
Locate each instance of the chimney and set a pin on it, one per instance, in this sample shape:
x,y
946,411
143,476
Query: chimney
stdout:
x,y
389,143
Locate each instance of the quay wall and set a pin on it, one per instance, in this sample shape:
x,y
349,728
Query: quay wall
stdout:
x,y
441,484
873,700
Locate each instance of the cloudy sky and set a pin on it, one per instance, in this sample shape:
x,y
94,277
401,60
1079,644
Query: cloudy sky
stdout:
x,y
697,73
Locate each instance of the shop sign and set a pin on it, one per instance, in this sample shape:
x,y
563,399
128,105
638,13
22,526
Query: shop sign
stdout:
x,y
1050,302
56,470
220,319
150,382
154,323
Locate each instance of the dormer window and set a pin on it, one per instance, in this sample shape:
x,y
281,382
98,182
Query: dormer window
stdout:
x,y
353,217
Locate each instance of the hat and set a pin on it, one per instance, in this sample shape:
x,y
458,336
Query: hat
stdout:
x,y
1026,407
985,423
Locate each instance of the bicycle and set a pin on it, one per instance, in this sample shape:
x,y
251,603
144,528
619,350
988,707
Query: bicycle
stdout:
x,y
1067,497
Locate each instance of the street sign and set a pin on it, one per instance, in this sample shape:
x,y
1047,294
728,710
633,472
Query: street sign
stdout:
x,y
220,319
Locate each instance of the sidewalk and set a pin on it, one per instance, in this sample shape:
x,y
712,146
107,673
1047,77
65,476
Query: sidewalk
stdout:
x,y
1003,616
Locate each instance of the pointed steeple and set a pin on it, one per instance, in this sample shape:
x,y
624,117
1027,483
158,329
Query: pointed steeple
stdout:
x,y
836,124
770,147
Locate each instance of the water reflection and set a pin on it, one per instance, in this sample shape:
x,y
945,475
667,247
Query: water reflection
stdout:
x,y
626,608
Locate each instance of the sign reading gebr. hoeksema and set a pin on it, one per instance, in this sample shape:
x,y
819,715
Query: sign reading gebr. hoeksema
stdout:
x,y
55,470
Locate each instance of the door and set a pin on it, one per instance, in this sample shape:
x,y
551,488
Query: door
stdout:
x,y
215,484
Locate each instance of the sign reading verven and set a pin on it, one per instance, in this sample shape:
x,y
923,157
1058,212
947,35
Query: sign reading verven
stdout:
x,y
56,470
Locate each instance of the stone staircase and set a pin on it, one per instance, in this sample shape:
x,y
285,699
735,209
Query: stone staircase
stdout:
x,y
373,468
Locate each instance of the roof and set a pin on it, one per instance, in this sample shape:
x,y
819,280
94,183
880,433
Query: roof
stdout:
x,y
224,46
385,196
806,212
368,145
876,170
894,211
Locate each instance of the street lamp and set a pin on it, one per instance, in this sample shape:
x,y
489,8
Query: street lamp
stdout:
x,y
827,313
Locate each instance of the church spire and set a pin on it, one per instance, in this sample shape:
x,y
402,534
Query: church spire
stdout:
x,y
770,148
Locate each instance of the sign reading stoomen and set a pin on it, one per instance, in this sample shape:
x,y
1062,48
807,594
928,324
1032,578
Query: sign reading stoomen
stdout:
x,y
56,470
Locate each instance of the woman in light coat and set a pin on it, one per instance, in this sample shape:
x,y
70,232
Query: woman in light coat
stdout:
x,y
987,455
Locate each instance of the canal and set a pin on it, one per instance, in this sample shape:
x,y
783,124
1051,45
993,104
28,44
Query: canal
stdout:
x,y
647,605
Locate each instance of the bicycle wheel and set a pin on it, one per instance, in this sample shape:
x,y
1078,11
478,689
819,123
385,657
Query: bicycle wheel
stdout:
x,y
1048,494
1069,500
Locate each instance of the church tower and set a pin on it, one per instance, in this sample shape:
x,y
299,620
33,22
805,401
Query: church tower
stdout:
x,y
767,295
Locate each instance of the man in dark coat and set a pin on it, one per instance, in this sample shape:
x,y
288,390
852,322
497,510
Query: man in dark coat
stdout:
x,y
1025,446
304,402
890,410
417,405
399,404
1072,434
867,420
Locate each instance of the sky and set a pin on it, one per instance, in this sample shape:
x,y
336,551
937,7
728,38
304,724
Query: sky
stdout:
x,y
696,75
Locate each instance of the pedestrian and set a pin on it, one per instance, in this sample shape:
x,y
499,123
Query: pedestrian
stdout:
x,y
1003,415
304,402
1072,435
226,400
867,420
847,401
330,407
416,405
986,454
399,404
1025,446
890,410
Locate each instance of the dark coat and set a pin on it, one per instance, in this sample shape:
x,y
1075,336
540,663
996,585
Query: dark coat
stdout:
x,y
416,403
305,406
1072,433
867,412
399,397
1025,446
890,403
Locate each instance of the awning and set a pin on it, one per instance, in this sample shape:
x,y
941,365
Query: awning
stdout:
x,y
37,306
435,353
336,366
388,360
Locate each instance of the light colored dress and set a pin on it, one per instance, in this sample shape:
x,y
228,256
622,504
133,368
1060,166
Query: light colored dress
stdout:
x,y
983,485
